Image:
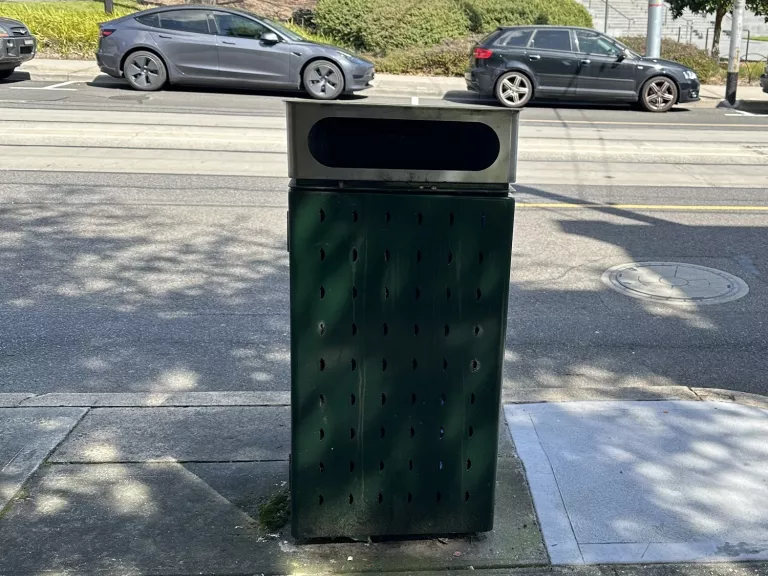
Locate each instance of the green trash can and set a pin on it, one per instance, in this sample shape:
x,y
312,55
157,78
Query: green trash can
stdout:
x,y
400,238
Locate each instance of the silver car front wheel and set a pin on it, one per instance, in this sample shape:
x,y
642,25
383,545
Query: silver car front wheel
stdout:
x,y
659,94
514,90
323,80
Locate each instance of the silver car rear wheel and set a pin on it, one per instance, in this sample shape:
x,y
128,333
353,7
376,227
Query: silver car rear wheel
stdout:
x,y
514,90
323,80
659,94
145,71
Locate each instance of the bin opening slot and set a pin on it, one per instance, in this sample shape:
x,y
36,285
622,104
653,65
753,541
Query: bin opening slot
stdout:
x,y
375,143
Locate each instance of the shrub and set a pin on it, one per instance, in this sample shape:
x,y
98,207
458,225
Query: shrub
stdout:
x,y
381,25
487,15
450,58
64,29
688,54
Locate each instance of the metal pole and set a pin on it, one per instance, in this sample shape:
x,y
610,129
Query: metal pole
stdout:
x,y
653,38
679,29
706,40
734,52
746,54
605,22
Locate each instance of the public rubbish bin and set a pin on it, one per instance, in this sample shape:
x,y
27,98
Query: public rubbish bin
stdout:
x,y
400,237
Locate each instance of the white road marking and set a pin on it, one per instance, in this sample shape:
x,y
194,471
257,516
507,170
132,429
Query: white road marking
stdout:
x,y
56,87
414,100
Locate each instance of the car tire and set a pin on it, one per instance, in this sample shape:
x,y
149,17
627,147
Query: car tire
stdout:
x,y
145,71
6,73
658,94
514,89
323,80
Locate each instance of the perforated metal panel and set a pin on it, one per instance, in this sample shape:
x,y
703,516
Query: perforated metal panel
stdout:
x,y
398,321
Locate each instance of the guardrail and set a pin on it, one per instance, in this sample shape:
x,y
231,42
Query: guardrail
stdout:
x,y
608,7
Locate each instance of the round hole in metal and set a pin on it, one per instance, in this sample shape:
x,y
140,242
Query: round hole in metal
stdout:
x,y
322,467
469,463
413,432
383,364
354,216
321,329
450,256
381,465
351,499
418,255
352,399
322,399
322,215
447,329
320,500
415,329
414,364
383,399
354,255
322,292
442,433
477,330
386,255
351,466
387,217
445,364
471,431
418,293
482,219
419,218
351,433
354,292
322,433
472,398
383,432
451,219
447,293
322,254
386,292
410,497
410,464
385,329
381,498
466,496
353,364
479,294
439,464
354,329
442,399
413,398
439,496
322,364
474,365
480,257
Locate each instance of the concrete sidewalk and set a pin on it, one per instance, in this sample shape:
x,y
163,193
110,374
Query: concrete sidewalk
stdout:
x,y
173,483
385,84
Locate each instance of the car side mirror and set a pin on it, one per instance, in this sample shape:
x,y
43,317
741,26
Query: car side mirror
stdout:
x,y
270,38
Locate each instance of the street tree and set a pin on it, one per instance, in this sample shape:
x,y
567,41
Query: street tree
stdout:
x,y
717,7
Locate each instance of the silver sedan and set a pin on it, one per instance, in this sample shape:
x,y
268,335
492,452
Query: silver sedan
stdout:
x,y
212,46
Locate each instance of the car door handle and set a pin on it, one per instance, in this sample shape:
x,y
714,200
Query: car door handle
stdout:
x,y
166,36
228,42
534,57
586,61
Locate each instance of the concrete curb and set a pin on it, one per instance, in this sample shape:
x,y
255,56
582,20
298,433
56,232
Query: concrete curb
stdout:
x,y
283,398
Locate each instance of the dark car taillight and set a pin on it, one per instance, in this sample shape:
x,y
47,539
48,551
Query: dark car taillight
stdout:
x,y
482,53
106,32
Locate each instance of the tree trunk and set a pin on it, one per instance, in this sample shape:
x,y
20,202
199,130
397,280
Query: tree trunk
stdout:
x,y
719,15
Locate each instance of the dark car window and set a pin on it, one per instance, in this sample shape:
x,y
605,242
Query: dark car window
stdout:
x,y
513,38
185,21
149,20
552,40
234,25
591,43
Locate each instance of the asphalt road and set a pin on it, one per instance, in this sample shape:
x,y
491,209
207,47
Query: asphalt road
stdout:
x,y
142,243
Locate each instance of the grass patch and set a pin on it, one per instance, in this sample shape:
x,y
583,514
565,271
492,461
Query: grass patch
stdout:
x,y
65,29
275,512
759,38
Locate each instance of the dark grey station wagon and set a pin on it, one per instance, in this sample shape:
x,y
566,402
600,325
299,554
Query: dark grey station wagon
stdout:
x,y
522,63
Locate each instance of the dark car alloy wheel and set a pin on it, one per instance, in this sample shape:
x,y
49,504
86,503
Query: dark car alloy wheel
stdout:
x,y
659,94
514,89
145,71
323,80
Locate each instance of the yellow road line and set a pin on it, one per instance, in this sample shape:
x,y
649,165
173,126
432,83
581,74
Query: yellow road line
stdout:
x,y
681,207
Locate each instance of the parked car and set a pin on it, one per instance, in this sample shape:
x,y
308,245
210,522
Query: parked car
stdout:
x,y
521,63
17,45
214,46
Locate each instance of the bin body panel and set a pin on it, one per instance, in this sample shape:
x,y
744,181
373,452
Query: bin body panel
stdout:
x,y
398,325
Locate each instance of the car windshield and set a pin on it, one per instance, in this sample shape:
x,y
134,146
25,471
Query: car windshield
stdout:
x,y
290,34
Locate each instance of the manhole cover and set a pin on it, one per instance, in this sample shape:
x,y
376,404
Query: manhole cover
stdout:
x,y
675,283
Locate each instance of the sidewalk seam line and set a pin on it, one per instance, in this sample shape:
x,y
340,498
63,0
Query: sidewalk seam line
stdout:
x,y
161,461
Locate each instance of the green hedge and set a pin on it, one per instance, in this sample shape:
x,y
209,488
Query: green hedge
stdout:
x,y
379,26
487,15
698,60
449,58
